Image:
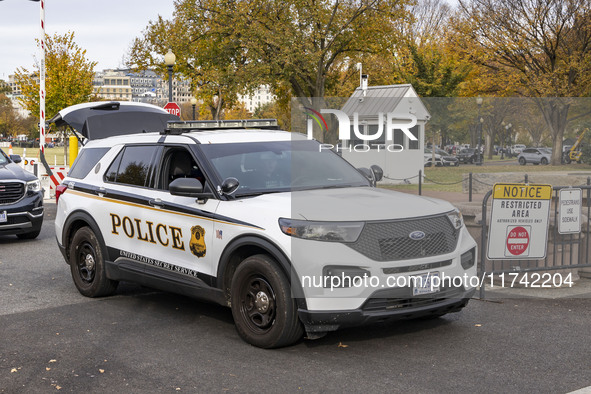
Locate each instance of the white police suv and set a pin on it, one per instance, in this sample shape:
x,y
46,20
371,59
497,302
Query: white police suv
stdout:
x,y
290,236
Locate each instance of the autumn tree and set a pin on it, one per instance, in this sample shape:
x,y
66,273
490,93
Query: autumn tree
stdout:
x,y
532,48
232,46
68,76
4,87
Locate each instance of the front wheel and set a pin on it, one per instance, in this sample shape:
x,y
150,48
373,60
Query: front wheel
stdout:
x,y
87,265
522,161
544,161
264,311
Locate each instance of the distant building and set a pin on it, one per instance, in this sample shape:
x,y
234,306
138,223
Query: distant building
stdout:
x,y
259,97
116,85
181,90
144,86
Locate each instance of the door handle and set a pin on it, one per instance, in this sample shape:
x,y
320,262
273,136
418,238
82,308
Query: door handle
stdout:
x,y
156,202
101,191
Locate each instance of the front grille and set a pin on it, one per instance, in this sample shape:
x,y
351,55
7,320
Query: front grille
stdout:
x,y
11,192
377,303
15,220
388,241
416,267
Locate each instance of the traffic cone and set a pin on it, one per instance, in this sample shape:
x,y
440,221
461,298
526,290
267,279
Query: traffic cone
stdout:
x,y
10,149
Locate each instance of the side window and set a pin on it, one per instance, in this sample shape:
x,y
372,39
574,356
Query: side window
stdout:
x,y
85,161
179,163
132,165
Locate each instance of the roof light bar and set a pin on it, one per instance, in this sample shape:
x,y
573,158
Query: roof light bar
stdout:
x,y
222,124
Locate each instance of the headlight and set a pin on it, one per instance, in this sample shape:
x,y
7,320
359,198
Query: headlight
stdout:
x,y
455,217
321,231
34,186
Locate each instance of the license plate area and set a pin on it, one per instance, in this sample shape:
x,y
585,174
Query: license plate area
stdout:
x,y
3,217
425,284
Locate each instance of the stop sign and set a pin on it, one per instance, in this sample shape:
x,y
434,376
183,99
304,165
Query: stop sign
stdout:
x,y
173,109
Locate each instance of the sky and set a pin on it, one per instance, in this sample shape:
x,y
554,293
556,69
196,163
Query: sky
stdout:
x,y
106,28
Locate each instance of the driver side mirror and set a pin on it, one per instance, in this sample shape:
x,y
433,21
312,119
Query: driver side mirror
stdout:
x,y
229,185
188,187
16,158
378,173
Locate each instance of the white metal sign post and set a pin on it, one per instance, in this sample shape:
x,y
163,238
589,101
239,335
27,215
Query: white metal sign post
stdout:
x,y
519,221
569,211
42,89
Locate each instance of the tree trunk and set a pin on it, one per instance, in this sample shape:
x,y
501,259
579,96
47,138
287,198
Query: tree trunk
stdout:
x,y
555,111
489,142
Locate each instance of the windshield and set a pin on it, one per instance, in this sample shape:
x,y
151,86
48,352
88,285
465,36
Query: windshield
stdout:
x,y
265,167
3,157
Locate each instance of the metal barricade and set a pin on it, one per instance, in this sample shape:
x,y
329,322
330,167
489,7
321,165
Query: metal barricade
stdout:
x,y
564,251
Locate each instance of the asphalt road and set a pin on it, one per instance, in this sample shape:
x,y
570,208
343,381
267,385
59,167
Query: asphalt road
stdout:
x,y
140,341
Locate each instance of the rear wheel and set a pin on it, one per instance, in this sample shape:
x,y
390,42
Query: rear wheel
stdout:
x,y
544,161
87,265
264,311
522,161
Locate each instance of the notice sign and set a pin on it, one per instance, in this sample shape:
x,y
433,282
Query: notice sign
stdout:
x,y
569,211
519,221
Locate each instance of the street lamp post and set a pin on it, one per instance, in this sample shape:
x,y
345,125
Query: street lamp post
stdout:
x,y
507,127
503,135
193,104
480,120
169,60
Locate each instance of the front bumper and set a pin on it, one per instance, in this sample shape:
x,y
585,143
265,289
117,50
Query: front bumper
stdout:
x,y
23,216
387,306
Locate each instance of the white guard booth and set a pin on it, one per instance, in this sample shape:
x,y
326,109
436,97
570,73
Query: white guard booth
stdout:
x,y
399,165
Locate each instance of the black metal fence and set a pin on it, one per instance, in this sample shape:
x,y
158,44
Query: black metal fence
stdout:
x,y
564,251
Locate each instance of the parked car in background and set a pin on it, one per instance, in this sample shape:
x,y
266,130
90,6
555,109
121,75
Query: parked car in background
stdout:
x,y
467,155
446,158
429,159
535,156
21,199
517,149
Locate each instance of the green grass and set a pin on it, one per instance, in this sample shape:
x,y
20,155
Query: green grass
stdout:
x,y
54,156
449,178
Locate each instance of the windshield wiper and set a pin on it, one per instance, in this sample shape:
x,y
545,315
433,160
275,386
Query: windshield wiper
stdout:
x,y
255,194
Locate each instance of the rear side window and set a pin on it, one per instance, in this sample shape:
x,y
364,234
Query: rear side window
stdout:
x,y
85,161
132,166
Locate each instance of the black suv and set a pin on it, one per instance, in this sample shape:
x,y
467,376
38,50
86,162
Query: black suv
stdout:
x,y
468,155
21,199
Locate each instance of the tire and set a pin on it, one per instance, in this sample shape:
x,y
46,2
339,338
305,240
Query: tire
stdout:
x,y
264,311
87,265
544,161
428,164
522,161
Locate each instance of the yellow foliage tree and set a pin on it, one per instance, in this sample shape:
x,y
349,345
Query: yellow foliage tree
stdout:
x,y
533,48
68,77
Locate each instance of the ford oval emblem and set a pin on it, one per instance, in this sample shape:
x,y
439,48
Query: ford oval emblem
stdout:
x,y
416,235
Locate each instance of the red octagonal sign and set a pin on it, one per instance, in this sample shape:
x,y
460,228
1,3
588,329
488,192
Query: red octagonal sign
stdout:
x,y
517,240
173,109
